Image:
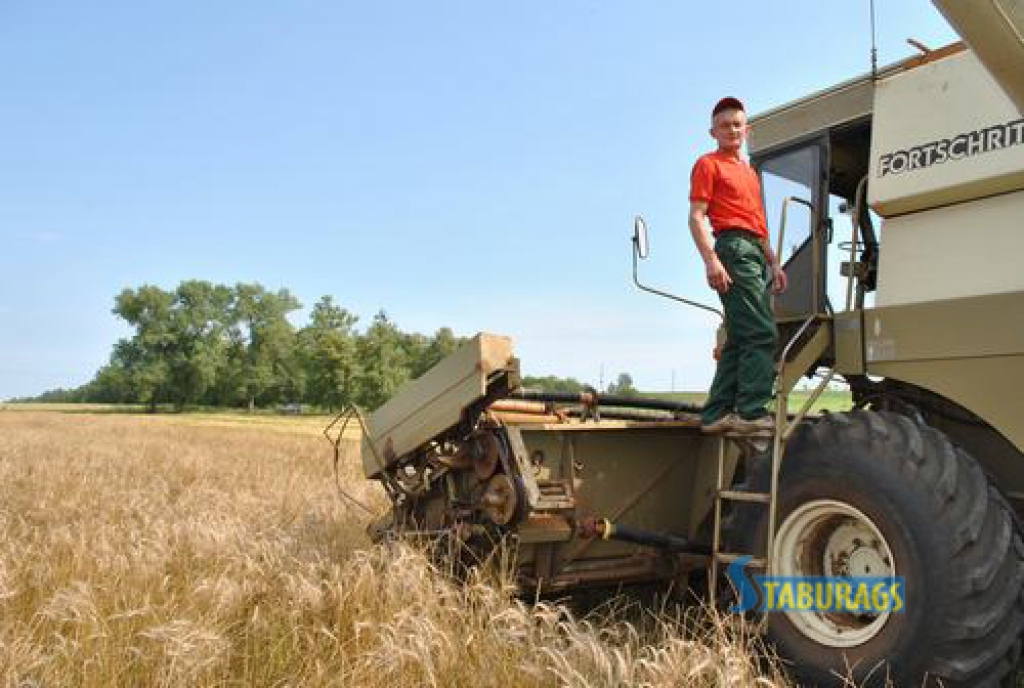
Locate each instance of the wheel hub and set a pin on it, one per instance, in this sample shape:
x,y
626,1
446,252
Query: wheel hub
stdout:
x,y
853,550
831,538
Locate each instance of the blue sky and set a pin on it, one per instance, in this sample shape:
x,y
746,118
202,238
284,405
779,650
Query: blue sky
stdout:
x,y
463,163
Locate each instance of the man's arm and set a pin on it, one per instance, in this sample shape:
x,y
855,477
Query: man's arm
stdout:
x,y
718,278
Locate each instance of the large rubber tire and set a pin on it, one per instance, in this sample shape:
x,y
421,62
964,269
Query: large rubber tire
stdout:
x,y
951,536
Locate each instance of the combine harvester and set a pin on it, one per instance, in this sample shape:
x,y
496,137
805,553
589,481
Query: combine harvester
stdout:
x,y
924,480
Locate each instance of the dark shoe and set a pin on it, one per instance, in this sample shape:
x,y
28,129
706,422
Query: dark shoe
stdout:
x,y
725,424
758,427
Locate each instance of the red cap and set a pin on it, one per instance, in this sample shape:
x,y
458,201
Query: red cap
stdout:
x,y
728,103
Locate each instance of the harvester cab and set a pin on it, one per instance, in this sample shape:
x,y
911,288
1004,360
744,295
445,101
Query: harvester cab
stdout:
x,y
895,201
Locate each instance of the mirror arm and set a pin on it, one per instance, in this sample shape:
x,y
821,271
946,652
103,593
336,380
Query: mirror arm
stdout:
x,y
658,292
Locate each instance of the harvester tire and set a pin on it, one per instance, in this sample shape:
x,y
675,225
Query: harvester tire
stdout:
x,y
943,527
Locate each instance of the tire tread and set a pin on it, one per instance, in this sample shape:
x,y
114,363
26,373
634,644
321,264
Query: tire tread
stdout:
x,y
978,641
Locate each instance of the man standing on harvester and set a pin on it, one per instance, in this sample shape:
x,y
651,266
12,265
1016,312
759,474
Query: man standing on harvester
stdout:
x,y
741,267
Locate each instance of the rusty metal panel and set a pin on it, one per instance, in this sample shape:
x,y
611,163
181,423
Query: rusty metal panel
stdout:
x,y
692,422
431,404
544,528
643,476
522,466
702,495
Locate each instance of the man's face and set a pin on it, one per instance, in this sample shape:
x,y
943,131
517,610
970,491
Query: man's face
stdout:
x,y
729,128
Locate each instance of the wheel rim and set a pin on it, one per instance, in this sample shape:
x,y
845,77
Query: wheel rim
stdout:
x,y
830,538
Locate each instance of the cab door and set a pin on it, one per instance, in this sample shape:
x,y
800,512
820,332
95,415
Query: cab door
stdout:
x,y
793,183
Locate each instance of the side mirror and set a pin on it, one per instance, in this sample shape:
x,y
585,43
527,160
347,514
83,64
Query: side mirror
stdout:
x,y
640,237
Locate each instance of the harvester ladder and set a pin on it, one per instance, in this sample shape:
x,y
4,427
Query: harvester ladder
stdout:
x,y
722,494
801,354
788,374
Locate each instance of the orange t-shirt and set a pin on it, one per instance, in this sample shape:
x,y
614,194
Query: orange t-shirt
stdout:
x,y
733,194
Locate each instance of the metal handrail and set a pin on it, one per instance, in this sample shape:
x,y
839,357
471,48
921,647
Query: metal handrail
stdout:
x,y
808,404
858,205
782,220
781,432
793,340
815,267
782,396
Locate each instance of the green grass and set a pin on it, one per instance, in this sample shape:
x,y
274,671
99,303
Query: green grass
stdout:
x,y
830,400
71,407
308,410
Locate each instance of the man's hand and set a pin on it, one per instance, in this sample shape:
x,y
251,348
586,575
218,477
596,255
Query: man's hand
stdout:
x,y
778,280
718,278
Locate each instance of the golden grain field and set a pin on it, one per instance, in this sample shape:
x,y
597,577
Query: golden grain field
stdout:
x,y
183,551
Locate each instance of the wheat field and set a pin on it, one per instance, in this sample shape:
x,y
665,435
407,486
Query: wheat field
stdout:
x,y
174,551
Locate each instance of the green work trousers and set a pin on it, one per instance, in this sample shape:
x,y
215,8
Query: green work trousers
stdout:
x,y
746,366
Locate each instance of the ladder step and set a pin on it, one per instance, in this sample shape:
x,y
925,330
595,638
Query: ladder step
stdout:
x,y
729,557
741,496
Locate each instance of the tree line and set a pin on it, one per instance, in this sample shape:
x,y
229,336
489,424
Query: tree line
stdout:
x,y
205,344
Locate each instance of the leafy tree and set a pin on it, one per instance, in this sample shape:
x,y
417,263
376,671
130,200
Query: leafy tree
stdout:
x,y
178,346
414,347
110,386
229,389
268,365
327,349
199,322
231,346
145,358
52,396
623,386
443,343
383,363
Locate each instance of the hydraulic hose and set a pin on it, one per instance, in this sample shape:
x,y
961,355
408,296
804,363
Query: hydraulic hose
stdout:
x,y
606,530
592,398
